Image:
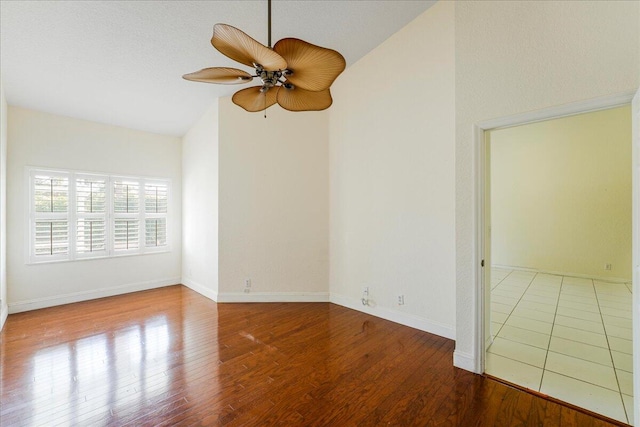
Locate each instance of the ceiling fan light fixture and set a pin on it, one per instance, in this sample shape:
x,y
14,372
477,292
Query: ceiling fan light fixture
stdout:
x,y
316,68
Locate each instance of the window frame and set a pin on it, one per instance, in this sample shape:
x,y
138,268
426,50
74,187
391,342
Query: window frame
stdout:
x,y
72,216
92,215
154,215
135,216
35,216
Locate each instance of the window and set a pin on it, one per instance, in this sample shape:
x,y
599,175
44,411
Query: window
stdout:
x,y
91,215
155,207
126,208
50,225
80,215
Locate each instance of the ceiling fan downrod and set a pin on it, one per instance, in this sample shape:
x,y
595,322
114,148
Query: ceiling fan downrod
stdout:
x,y
269,23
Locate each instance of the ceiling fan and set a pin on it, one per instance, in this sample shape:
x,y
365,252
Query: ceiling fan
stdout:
x,y
295,74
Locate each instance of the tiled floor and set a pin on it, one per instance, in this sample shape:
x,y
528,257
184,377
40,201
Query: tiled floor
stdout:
x,y
566,337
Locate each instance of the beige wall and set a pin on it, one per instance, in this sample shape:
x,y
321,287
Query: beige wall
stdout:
x,y
515,57
200,205
392,177
273,204
4,309
561,195
45,140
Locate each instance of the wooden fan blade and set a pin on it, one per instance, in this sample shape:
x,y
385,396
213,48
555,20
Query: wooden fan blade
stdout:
x,y
252,100
238,46
221,75
314,67
298,99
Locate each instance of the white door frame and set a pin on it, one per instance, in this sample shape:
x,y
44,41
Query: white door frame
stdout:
x,y
479,145
635,221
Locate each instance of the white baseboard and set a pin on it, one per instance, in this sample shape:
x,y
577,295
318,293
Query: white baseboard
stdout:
x,y
406,319
4,313
34,304
201,289
560,273
465,361
273,297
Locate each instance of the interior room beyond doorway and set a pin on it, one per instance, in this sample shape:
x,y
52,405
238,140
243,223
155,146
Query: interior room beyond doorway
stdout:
x,y
559,231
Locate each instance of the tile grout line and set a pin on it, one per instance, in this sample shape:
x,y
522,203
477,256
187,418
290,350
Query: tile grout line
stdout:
x,y
546,356
613,363
557,352
503,279
516,304
600,314
505,320
558,373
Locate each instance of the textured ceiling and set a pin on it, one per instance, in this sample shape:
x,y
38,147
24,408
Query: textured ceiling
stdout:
x,y
121,62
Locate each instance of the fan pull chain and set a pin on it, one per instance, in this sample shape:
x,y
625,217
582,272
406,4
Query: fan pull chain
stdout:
x,y
265,105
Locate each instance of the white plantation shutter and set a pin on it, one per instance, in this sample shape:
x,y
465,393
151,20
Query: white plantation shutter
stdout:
x,y
91,235
51,193
155,232
126,211
155,207
50,215
126,234
91,215
52,237
155,198
77,215
91,194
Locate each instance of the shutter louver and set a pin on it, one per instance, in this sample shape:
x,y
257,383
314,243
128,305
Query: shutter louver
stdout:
x,y
90,235
155,198
91,208
51,238
51,212
51,194
91,195
155,207
126,197
126,234
126,207
156,232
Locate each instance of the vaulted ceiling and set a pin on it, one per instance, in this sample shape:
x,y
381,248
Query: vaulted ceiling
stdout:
x,y
121,62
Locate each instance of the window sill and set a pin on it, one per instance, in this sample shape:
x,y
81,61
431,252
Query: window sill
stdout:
x,y
114,256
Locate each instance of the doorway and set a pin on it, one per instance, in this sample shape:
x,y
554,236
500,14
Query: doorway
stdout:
x,y
555,324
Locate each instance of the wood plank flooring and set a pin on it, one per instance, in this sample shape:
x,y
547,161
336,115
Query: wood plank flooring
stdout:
x,y
172,357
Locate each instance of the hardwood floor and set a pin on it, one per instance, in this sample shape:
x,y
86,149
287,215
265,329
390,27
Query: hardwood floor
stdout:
x,y
172,357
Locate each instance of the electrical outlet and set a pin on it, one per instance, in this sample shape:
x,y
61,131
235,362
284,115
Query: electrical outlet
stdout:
x,y
608,267
365,295
247,286
400,299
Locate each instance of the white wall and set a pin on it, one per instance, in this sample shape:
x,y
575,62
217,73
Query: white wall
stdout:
x,y
200,205
274,204
514,57
46,140
392,177
4,309
561,195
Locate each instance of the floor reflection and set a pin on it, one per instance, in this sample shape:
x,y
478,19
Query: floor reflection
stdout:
x,y
90,379
172,357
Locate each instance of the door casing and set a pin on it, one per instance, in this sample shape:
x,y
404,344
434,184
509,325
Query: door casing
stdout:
x,y
480,221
